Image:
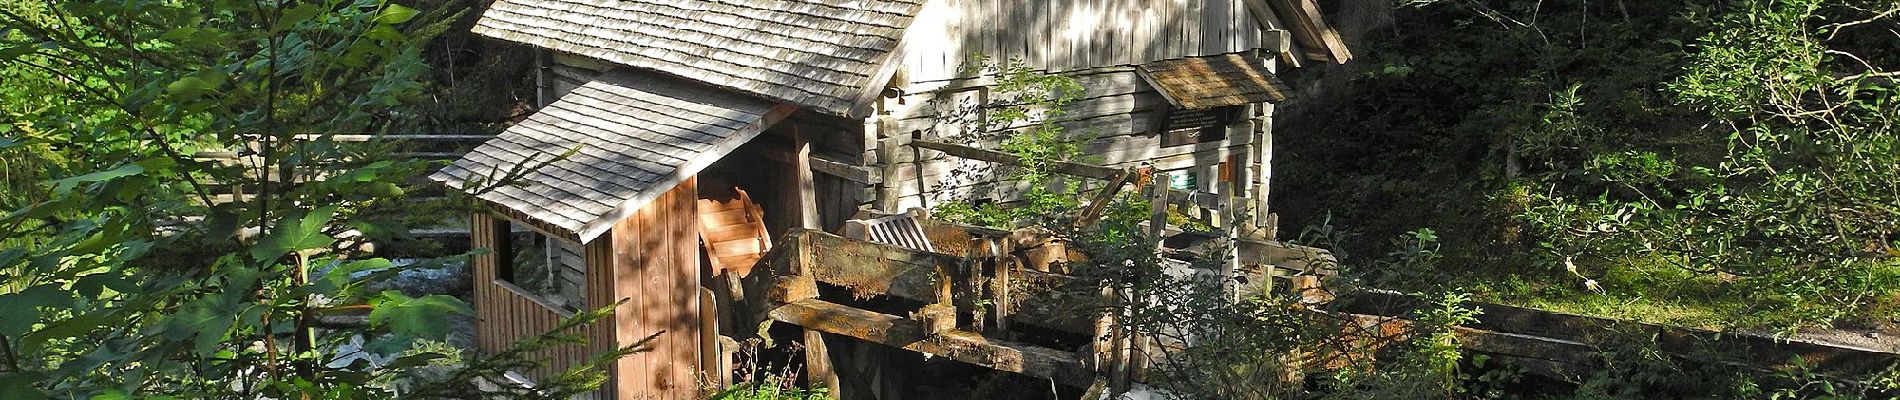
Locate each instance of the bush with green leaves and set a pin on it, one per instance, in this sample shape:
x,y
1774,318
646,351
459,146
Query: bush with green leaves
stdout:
x,y
125,273
771,388
1026,96
1725,163
1794,198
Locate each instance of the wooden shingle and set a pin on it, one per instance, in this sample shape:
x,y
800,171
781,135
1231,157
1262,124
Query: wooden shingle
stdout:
x,y
634,137
1198,83
821,54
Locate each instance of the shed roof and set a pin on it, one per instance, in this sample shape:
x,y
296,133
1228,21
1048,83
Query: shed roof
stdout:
x,y
1214,81
827,55
637,137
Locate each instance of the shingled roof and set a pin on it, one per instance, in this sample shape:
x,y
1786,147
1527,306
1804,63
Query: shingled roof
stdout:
x,y
638,136
1214,81
823,54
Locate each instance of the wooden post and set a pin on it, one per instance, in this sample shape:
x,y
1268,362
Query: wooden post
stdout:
x,y
917,162
818,369
888,189
709,349
1230,263
1263,160
1000,282
807,188
1158,222
1106,346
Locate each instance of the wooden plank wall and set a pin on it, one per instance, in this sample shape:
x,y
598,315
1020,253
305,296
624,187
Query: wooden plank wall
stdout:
x,y
652,261
838,199
1119,116
655,267
1071,35
504,314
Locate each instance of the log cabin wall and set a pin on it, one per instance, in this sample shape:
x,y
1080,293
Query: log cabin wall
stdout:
x,y
1120,118
1072,35
1099,43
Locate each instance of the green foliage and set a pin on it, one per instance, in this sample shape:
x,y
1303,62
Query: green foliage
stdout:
x,y
1560,149
1027,96
1802,382
772,388
1430,365
122,276
1799,202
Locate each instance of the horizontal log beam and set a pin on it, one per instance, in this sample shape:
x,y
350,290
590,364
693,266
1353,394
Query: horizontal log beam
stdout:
x,y
1755,350
848,172
1077,169
967,347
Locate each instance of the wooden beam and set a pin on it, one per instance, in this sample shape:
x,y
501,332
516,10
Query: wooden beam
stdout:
x,y
1077,169
878,269
871,268
890,330
887,189
819,372
1310,29
807,188
1100,201
848,172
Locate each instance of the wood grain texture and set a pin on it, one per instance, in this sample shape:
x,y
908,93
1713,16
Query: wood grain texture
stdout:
x,y
505,315
1199,83
655,269
890,330
1071,35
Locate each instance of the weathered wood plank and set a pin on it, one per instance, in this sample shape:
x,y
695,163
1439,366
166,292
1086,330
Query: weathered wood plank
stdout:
x,y
995,156
890,330
870,268
1311,30
849,172
1067,35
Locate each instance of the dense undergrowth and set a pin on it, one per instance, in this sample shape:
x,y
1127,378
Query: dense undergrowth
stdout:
x,y
1724,164
1237,343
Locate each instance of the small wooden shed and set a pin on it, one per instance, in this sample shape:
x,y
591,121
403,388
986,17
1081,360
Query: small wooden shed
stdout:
x,y
615,220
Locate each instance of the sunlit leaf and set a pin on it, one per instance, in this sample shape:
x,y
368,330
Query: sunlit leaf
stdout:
x,y
415,317
384,32
66,185
396,14
296,232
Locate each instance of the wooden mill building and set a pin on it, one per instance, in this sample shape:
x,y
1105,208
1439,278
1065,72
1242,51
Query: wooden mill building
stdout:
x,y
678,138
